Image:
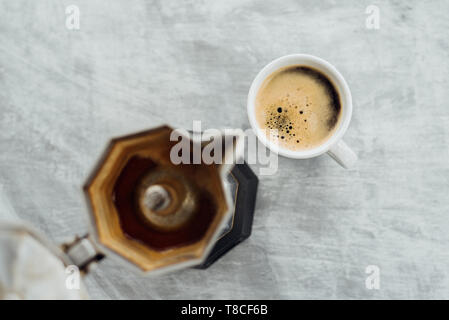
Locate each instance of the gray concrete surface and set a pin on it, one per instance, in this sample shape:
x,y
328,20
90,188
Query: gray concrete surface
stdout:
x,y
137,64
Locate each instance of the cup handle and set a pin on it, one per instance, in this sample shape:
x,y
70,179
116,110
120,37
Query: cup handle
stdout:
x,y
341,153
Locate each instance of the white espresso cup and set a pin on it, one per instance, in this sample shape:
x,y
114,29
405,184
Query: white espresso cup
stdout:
x,y
334,145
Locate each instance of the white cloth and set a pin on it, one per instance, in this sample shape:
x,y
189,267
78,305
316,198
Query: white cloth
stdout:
x,y
30,270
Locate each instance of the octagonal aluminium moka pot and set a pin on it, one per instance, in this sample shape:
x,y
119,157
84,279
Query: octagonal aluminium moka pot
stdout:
x,y
151,213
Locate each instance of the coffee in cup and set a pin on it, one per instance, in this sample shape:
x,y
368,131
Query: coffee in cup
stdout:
x,y
298,106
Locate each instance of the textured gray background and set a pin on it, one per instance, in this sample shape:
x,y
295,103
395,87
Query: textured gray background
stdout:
x,y
138,64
